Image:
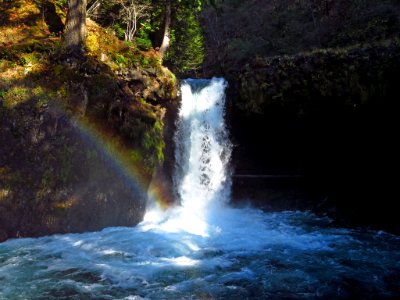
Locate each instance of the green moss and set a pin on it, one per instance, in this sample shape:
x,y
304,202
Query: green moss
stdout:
x,y
154,144
348,77
145,62
41,96
16,95
47,181
58,69
120,59
102,86
66,168
136,155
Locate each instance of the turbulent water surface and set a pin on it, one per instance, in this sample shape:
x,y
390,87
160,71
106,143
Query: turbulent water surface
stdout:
x,y
204,249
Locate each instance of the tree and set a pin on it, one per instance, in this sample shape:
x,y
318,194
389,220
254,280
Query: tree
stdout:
x,y
168,6
167,24
93,7
132,11
186,53
75,35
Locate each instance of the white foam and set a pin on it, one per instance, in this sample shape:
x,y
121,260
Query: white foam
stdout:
x,y
203,248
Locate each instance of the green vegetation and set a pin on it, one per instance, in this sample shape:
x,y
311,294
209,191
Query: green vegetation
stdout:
x,y
146,28
300,58
238,31
187,51
63,116
351,78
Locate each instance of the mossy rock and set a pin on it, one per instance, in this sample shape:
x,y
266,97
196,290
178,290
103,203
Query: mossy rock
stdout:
x,y
347,77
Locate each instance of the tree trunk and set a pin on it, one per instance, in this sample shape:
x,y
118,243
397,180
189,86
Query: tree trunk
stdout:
x,y
75,35
167,24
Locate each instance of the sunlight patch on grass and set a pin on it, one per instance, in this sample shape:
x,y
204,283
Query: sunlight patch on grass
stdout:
x,y
4,193
15,95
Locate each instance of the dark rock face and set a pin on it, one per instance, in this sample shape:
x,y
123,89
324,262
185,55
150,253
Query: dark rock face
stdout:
x,y
162,179
81,133
278,193
327,116
56,179
81,159
313,89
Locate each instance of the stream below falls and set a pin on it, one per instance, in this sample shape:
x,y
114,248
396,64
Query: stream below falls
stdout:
x,y
203,248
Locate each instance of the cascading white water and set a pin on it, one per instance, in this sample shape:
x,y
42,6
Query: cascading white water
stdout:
x,y
203,249
203,148
202,180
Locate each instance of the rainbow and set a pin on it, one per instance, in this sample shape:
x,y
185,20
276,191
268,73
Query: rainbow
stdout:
x,y
121,160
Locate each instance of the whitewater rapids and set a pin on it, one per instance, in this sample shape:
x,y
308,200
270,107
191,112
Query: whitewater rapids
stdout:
x,y
204,249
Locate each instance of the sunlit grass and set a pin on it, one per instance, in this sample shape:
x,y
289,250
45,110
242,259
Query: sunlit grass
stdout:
x,y
23,22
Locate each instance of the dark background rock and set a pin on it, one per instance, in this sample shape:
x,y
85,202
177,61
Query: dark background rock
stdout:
x,y
328,117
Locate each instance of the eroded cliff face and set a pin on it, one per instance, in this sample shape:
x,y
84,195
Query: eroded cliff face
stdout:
x,y
56,179
328,117
79,138
312,96
81,158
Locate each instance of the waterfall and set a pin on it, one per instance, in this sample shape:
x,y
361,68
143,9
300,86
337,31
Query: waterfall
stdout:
x,y
201,179
202,145
202,248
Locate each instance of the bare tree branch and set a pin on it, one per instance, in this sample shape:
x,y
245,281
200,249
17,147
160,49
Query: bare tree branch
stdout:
x,y
132,12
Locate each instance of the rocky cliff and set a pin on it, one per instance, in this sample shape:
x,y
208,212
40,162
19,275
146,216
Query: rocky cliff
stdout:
x,y
328,117
80,138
